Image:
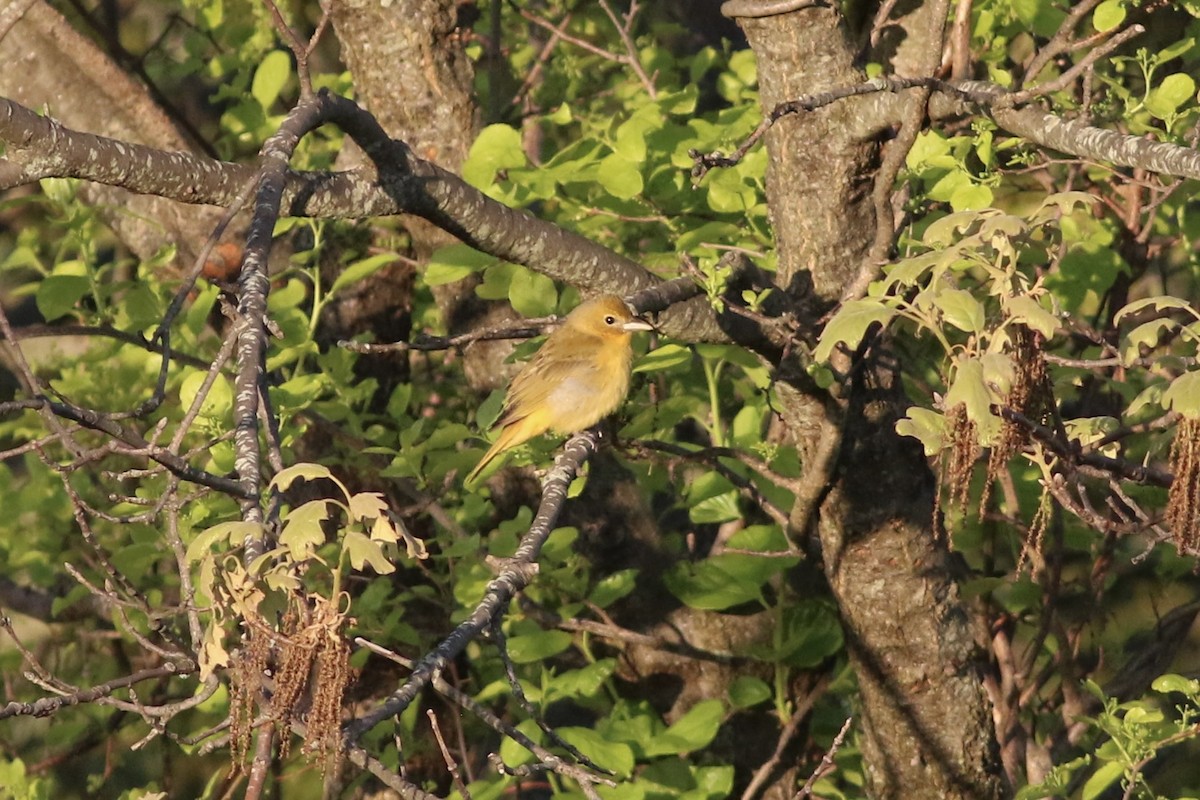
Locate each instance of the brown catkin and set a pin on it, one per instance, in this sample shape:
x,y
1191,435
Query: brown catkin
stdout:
x,y
1030,396
964,450
1183,499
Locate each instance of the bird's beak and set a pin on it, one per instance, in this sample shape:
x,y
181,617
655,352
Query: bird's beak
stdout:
x,y
638,324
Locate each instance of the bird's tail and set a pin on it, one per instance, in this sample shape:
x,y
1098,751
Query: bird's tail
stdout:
x,y
510,436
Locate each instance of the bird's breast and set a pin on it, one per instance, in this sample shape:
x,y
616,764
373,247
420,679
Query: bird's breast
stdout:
x,y
588,393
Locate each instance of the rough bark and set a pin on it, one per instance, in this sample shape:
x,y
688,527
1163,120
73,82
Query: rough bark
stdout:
x,y
818,174
924,716
47,64
411,71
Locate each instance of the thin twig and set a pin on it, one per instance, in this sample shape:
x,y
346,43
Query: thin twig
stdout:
x,y
827,764
632,57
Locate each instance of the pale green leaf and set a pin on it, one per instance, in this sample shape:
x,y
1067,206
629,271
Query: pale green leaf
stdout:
x,y
303,533
925,425
453,263
663,358
1108,15
289,475
1183,395
1158,303
498,147
1025,308
960,308
1101,779
944,231
233,534
270,77
363,268
364,552
383,530
850,324
748,691
970,389
1166,98
620,177
367,505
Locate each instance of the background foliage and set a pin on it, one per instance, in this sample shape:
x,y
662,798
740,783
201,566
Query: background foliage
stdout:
x,y
678,631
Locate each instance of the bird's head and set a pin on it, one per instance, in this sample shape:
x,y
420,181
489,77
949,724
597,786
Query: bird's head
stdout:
x,y
606,316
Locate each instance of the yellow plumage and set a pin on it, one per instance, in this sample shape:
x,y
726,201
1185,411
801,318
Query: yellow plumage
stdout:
x,y
578,377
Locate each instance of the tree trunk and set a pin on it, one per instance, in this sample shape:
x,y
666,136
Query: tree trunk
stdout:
x,y
869,499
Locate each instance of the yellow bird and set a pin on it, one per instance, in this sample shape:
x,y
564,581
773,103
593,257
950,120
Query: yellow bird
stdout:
x,y
578,377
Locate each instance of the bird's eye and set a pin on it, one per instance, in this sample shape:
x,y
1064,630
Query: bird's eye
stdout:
x,y
610,320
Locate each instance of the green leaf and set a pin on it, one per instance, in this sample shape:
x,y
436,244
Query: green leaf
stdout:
x,y
453,263
532,294
722,508
630,142
960,309
620,177
663,358
723,581
747,429
810,633
706,485
1176,683
613,587
58,294
616,757
363,552
498,147
1183,395
302,533
970,195
361,269
515,754
289,475
748,691
1108,15
949,184
530,647
1028,310
270,78
233,534
496,280
694,730
709,585
1101,779
577,683
216,404
925,425
1166,98
850,324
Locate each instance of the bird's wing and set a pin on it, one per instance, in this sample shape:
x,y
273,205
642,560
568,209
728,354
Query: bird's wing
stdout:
x,y
546,373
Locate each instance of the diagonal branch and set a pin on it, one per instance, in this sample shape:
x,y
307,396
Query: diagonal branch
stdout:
x,y
514,575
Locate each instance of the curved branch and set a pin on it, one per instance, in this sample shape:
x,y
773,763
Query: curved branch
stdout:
x,y
39,147
882,101
515,574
